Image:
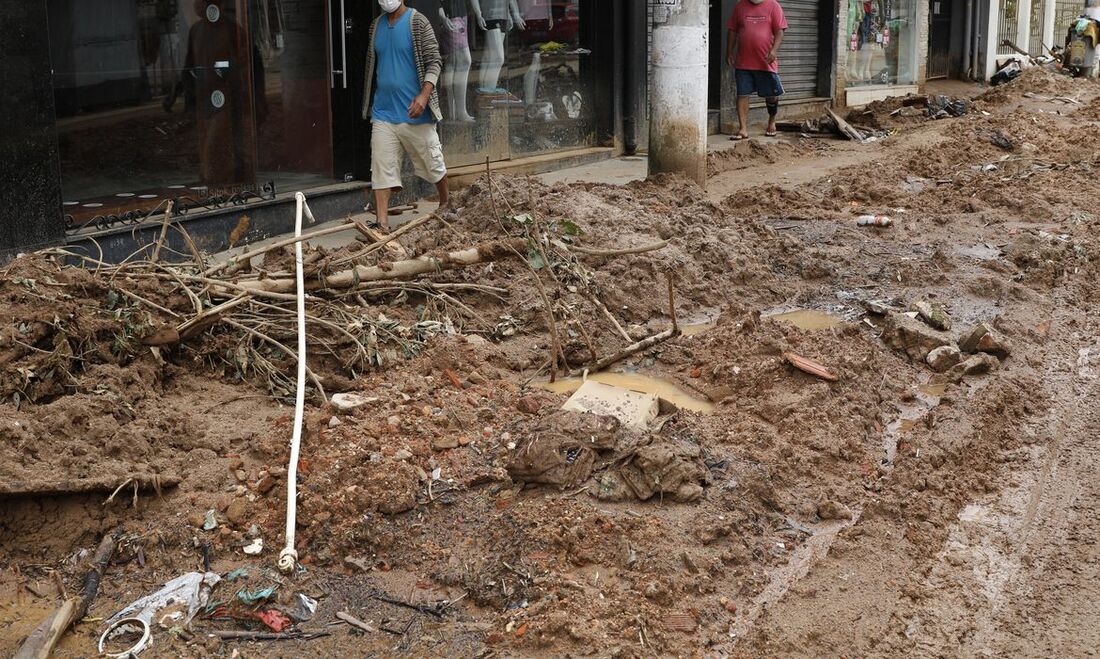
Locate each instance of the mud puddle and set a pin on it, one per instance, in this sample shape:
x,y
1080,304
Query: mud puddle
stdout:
x,y
912,414
645,384
807,319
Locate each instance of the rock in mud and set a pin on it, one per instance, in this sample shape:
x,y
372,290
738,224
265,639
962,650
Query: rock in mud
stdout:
x,y
943,358
932,313
978,364
913,337
830,510
983,338
444,443
348,403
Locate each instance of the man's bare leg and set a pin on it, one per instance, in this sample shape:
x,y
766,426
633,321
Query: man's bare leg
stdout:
x,y
743,116
382,207
773,111
444,191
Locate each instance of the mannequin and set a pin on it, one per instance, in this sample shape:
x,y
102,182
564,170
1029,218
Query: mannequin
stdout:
x,y
455,44
495,18
534,15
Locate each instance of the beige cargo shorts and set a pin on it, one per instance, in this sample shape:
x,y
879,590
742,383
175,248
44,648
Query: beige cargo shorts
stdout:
x,y
390,142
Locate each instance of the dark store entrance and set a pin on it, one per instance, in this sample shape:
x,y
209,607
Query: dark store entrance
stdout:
x,y
203,102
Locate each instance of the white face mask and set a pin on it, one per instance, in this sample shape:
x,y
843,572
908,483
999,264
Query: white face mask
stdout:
x,y
389,6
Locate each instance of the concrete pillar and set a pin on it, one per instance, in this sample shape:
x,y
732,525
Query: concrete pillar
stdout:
x,y
678,98
1023,25
992,29
1050,8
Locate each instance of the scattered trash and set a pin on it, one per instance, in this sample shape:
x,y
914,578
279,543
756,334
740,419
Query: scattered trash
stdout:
x,y
810,366
305,607
185,594
255,548
251,598
669,470
940,107
210,522
874,221
631,408
126,626
239,573
276,620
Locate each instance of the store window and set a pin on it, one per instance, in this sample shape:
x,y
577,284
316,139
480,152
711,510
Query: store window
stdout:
x,y
201,102
882,42
515,77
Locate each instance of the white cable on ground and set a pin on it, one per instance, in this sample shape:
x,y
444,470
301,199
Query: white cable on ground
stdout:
x,y
288,558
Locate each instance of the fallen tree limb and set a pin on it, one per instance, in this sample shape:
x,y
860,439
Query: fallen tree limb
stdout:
x,y
620,252
279,244
265,636
42,640
85,485
634,349
385,240
484,253
610,317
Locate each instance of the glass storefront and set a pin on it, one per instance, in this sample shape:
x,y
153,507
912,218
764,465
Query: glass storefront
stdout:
x,y
882,42
208,102
516,77
192,100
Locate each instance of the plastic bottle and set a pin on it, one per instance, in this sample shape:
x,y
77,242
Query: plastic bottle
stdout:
x,y
874,221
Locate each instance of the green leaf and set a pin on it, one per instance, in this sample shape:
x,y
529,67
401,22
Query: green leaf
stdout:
x,y
535,259
570,228
524,219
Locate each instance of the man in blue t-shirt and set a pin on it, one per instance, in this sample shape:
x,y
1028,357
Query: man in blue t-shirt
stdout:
x,y
403,66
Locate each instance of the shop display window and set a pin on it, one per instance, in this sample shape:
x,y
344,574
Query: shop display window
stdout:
x,y
882,42
515,77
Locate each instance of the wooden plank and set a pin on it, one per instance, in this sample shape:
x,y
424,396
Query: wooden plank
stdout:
x,y
845,128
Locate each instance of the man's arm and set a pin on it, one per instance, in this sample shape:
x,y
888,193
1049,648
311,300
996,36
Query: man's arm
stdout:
x,y
433,64
731,47
773,54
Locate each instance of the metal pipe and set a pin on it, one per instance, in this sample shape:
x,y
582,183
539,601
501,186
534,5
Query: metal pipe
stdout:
x,y
678,99
976,41
968,45
635,45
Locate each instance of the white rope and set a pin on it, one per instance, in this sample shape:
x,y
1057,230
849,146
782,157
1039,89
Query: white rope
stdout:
x,y
288,558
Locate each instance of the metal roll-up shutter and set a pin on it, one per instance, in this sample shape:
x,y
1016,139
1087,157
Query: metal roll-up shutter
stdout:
x,y
798,58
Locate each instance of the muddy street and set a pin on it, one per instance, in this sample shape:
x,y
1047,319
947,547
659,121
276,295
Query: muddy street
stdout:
x,y
591,419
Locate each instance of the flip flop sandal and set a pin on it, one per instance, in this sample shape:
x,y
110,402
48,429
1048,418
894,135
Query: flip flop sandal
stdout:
x,y
775,134
738,137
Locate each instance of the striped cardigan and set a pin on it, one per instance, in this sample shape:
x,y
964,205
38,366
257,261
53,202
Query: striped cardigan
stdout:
x,y
429,63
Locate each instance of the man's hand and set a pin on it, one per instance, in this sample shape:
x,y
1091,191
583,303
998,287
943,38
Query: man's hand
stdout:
x,y
416,108
730,59
771,57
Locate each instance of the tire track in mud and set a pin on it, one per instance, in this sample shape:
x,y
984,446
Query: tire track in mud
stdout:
x,y
1020,573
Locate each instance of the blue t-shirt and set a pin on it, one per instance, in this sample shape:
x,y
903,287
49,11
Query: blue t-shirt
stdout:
x,y
398,83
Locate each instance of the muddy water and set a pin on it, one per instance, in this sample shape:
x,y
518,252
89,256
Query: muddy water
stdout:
x,y
808,319
636,382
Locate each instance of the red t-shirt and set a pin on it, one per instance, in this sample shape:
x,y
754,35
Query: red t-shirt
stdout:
x,y
756,25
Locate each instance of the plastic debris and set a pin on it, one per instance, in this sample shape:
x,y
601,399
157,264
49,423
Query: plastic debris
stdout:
x,y
874,221
275,619
305,607
211,521
189,591
253,597
239,573
255,548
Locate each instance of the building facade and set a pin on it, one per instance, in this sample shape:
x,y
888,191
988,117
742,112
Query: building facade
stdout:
x,y
121,107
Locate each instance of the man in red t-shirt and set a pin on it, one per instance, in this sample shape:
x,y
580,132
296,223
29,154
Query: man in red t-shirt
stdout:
x,y
752,50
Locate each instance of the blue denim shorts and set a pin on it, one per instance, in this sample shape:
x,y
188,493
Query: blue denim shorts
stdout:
x,y
762,83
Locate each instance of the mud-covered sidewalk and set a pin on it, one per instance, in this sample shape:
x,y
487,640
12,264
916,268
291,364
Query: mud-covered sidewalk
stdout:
x,y
870,440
